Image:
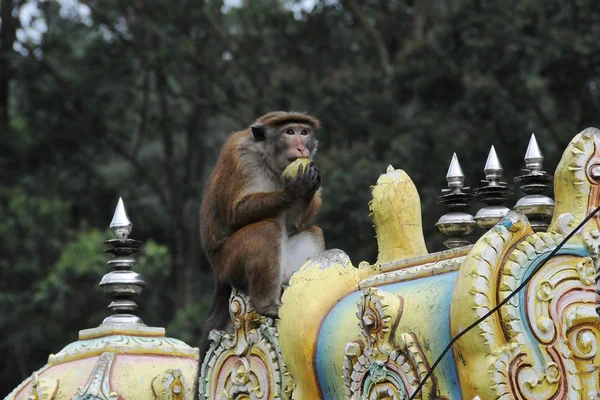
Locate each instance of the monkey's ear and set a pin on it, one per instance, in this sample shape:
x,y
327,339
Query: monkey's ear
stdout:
x,y
258,131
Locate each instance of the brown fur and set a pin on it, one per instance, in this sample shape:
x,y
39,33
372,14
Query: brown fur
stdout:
x,y
247,222
281,117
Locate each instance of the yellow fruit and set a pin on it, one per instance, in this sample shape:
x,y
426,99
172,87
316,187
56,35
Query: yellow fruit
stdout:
x,y
292,170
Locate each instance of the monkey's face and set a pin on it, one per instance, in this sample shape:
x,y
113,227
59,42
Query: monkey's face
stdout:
x,y
293,141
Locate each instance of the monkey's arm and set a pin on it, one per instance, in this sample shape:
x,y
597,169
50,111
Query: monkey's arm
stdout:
x,y
256,207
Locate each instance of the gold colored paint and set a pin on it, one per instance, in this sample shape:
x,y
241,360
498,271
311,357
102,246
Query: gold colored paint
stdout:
x,y
396,212
313,291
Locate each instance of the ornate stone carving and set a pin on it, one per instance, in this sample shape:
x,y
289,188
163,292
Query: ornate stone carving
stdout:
x,y
553,351
170,385
542,344
98,385
43,388
248,362
387,364
123,344
412,272
474,295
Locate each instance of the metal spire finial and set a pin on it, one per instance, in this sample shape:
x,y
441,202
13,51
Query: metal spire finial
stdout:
x,y
122,284
120,225
454,170
493,169
533,156
537,207
458,223
455,175
492,195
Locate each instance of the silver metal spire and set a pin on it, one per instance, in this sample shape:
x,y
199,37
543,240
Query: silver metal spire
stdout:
x,y
537,207
122,284
533,156
454,170
458,223
493,194
120,225
455,175
493,169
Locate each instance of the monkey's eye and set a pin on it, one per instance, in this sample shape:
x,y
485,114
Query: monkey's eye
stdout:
x,y
304,132
290,131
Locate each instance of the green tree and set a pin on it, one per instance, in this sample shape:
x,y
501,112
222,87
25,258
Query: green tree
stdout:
x,y
135,99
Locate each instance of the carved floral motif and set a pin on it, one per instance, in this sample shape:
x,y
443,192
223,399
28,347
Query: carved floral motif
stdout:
x,y
388,364
248,363
542,344
170,385
561,318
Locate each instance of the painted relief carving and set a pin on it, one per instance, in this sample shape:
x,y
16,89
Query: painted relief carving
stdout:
x,y
387,364
546,371
542,344
43,388
123,344
589,272
247,363
170,385
98,385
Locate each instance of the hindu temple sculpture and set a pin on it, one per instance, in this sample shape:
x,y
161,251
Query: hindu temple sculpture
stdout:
x,y
519,306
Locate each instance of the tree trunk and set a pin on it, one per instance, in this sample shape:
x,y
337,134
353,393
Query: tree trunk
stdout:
x,y
7,41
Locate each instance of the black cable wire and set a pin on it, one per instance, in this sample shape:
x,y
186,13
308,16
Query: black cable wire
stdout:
x,y
493,310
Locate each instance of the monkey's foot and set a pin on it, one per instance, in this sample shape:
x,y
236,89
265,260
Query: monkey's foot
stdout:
x,y
283,287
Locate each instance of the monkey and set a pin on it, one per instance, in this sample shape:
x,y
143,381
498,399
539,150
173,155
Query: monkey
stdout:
x,y
254,228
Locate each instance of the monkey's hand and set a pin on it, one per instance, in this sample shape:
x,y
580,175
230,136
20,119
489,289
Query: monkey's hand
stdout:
x,y
316,178
305,184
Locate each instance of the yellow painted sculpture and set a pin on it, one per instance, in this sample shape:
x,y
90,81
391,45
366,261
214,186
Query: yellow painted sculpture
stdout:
x,y
374,332
397,223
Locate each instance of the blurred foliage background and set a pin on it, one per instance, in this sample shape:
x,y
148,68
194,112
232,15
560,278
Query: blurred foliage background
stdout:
x,y
132,98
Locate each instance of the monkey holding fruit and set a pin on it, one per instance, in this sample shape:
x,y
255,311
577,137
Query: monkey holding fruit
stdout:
x,y
255,213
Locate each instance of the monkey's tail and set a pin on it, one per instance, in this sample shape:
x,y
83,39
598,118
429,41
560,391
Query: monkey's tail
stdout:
x,y
218,318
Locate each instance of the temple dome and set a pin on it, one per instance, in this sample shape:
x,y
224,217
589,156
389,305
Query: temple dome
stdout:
x,y
122,358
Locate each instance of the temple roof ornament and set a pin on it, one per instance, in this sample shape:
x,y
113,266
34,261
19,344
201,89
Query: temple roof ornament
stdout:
x,y
523,298
493,195
458,223
122,357
122,284
534,182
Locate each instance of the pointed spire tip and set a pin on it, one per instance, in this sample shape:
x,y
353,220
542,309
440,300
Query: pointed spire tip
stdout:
x,y
533,150
120,224
493,162
454,170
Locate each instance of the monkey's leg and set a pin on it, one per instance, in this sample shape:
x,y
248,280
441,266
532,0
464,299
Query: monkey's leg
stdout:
x,y
252,263
300,247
